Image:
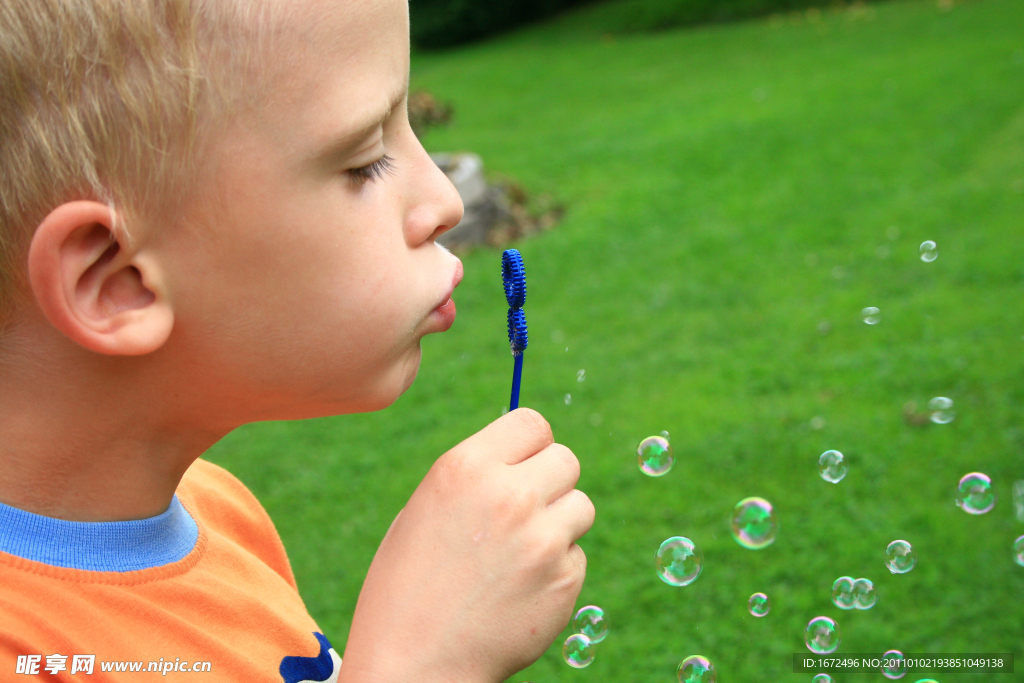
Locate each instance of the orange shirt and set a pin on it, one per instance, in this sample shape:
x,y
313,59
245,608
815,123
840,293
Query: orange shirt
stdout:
x,y
230,607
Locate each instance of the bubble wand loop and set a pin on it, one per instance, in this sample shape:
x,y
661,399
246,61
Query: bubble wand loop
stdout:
x,y
513,276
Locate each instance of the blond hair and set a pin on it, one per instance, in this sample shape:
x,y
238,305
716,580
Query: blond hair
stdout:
x,y
113,100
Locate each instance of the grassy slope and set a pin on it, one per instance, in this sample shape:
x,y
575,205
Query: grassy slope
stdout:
x,y
730,190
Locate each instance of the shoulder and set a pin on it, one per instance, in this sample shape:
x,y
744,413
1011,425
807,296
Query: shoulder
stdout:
x,y
223,506
212,487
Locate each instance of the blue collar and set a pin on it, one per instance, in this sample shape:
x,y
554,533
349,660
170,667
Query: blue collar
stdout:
x,y
99,546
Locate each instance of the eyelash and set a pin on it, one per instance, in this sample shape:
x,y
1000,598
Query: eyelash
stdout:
x,y
375,171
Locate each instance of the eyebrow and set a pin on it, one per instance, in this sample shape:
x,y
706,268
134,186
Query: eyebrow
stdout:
x,y
342,144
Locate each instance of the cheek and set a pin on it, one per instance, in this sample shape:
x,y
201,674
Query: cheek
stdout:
x,y
373,273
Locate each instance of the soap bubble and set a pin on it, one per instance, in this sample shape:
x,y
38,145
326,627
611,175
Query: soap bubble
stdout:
x,y
974,494
822,678
591,622
928,251
753,523
1018,551
832,467
900,557
577,651
842,592
871,315
664,435
581,375
679,561
895,667
568,399
927,680
942,410
654,456
759,604
864,594
822,635
696,669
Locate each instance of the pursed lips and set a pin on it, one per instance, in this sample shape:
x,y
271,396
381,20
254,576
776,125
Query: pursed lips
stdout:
x,y
456,279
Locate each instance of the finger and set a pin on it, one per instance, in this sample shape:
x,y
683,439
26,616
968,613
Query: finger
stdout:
x,y
577,561
553,472
512,438
574,514
578,558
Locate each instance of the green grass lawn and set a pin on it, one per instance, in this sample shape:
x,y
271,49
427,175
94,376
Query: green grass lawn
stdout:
x,y
736,195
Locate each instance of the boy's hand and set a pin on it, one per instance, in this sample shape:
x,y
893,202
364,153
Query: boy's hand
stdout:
x,y
480,571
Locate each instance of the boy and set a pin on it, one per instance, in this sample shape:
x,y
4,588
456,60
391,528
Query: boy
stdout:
x,y
214,213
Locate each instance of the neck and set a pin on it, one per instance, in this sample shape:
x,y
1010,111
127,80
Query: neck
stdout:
x,y
83,441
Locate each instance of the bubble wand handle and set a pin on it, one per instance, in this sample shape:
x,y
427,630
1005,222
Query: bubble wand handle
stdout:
x,y
517,375
513,277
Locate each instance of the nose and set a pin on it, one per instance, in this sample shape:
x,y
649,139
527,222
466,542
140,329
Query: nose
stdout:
x,y
437,206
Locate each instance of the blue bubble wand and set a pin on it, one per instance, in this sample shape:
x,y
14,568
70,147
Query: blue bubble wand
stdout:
x,y
513,276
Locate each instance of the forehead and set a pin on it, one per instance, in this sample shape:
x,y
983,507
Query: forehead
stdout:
x,y
340,64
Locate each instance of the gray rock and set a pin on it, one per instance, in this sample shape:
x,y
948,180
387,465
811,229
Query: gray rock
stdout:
x,y
485,205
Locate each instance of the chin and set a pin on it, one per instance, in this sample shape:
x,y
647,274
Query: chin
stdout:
x,y
389,390
369,397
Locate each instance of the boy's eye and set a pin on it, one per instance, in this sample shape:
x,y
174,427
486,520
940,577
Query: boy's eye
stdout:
x,y
375,171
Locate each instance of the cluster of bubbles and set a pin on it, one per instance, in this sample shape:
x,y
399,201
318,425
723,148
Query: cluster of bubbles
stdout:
x,y
900,557
590,626
832,467
679,561
850,593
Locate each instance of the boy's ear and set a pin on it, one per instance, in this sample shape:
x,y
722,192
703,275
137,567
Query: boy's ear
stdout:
x,y
93,288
